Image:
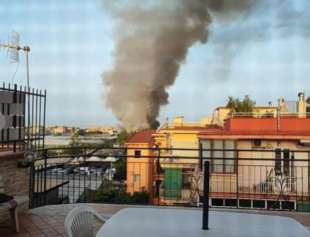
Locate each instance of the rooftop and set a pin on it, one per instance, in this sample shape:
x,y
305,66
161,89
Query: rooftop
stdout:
x,y
243,127
144,136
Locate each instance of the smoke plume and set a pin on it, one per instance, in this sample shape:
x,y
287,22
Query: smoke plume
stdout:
x,y
152,42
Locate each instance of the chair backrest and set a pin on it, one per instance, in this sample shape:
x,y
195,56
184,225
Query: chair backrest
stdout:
x,y
79,222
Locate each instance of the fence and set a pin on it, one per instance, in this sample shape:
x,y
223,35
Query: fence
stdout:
x,y
268,179
22,118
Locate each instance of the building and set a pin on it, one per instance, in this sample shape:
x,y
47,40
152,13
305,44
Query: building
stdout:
x,y
250,178
60,130
140,164
267,148
109,130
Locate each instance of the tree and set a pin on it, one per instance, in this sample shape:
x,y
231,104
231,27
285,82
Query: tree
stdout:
x,y
123,137
120,169
74,145
241,106
81,132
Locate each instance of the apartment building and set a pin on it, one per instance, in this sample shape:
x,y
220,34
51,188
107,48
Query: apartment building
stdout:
x,y
260,159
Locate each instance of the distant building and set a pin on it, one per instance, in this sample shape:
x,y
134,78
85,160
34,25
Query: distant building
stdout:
x,y
60,130
109,130
281,133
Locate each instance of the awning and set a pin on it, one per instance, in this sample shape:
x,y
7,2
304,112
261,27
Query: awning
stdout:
x,y
305,142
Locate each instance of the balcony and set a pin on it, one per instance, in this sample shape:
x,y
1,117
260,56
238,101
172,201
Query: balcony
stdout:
x,y
243,184
48,221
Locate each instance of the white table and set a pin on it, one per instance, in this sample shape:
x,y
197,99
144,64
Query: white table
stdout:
x,y
177,222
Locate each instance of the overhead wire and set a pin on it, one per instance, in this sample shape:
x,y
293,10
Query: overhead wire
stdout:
x,y
13,77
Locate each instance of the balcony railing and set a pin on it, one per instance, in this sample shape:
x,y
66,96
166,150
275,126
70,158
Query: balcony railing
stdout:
x,y
22,118
244,180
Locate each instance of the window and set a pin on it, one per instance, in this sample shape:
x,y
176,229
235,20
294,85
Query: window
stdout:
x,y
136,178
283,167
277,165
218,153
257,142
286,162
229,165
187,178
137,153
225,160
206,145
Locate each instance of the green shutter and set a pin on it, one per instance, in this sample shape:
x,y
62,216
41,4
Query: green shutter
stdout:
x,y
173,183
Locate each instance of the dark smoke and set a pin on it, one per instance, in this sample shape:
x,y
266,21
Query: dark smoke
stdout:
x,y
152,42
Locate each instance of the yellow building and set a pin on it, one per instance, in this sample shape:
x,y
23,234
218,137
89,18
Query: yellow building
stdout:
x,y
266,135
176,172
140,162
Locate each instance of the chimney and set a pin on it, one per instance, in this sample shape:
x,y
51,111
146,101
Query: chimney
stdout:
x,y
282,105
301,105
178,121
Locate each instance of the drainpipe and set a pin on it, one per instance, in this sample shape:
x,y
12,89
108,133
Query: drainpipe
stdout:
x,y
278,119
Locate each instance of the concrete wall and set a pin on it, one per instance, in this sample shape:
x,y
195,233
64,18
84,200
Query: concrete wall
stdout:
x,y
16,180
252,173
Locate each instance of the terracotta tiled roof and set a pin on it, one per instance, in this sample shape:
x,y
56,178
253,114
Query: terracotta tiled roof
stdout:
x,y
262,127
144,136
224,132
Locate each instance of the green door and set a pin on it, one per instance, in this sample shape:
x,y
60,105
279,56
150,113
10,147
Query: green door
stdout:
x,y
173,183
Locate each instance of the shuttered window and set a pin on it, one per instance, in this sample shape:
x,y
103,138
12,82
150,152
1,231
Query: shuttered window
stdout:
x,y
222,154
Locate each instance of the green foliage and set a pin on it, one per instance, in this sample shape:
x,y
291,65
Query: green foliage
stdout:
x,y
74,145
120,169
123,137
241,106
108,194
61,150
81,132
75,140
140,198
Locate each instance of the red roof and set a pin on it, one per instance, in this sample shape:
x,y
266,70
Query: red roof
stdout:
x,y
191,128
293,128
144,136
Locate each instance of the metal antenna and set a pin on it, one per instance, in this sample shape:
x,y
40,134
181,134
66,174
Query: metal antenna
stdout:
x,y
13,47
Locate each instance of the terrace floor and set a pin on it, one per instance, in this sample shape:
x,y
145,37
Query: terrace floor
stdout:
x,y
48,221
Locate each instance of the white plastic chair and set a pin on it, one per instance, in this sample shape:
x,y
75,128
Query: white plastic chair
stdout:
x,y
79,222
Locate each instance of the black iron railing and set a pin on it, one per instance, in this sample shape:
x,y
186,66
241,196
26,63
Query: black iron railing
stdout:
x,y
157,176
22,118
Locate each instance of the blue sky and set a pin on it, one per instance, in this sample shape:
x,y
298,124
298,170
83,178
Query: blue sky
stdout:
x,y
266,55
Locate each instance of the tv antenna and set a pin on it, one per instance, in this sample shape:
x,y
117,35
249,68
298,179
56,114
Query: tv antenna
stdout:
x,y
13,47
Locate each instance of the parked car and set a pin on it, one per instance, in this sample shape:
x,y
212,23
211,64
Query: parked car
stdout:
x,y
84,170
59,171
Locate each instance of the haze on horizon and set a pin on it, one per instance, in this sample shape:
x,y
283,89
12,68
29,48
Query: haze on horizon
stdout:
x,y
72,44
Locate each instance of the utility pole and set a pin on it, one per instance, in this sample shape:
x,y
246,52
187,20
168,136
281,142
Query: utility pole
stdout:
x,y
27,50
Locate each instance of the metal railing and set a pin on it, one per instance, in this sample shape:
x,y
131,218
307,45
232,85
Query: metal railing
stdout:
x,y
22,116
162,176
272,114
